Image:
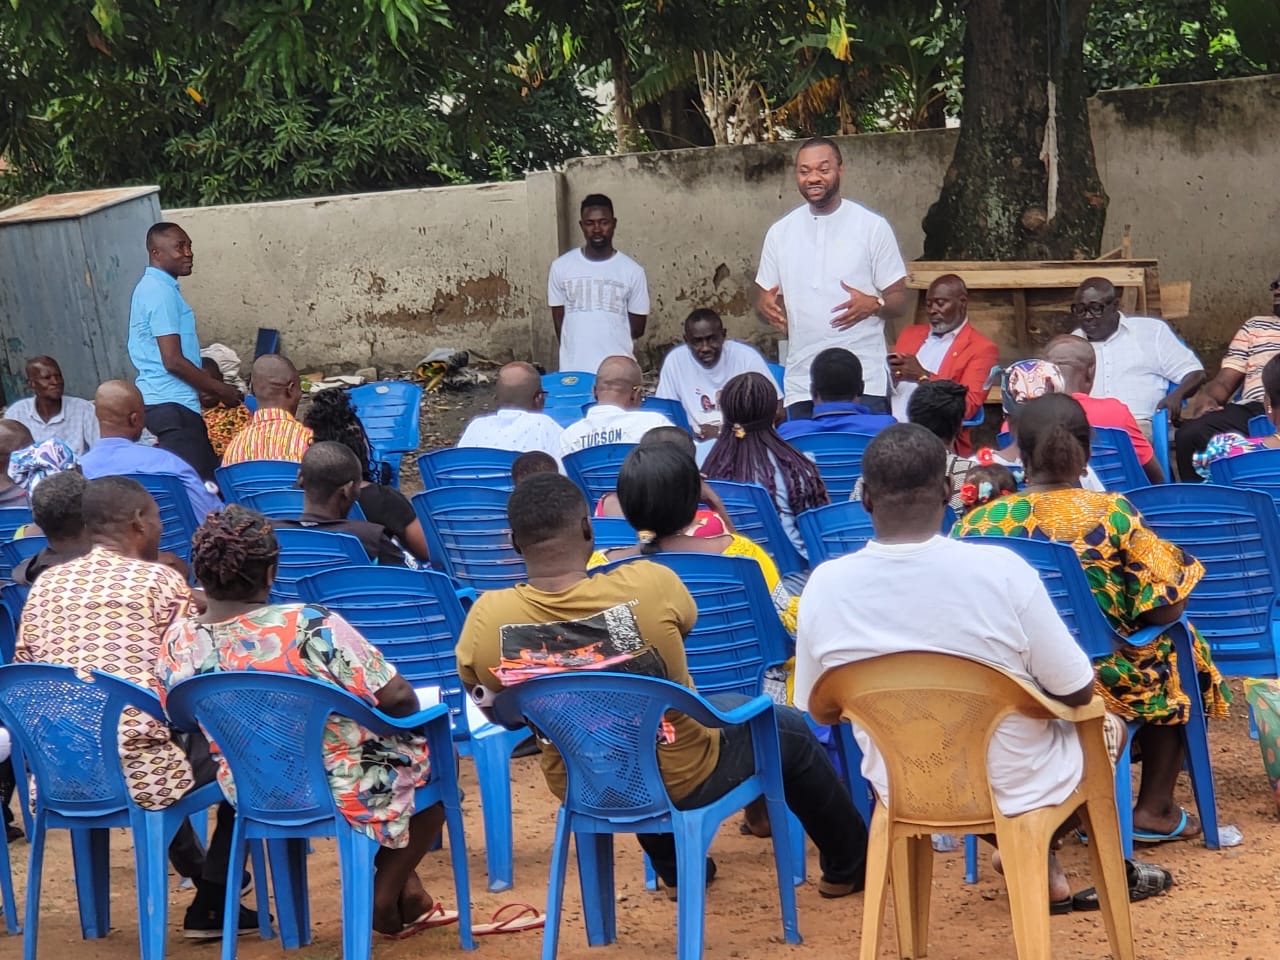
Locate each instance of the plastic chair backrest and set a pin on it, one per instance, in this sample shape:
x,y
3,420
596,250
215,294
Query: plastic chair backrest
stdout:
x,y
306,551
13,552
389,410
604,725
839,459
1114,461
67,729
779,375
1261,426
1235,534
468,536
673,410
414,617
286,504
11,518
738,633
13,596
467,466
268,342
569,388
931,716
834,530
177,519
612,532
269,727
253,476
595,469
755,516
1259,470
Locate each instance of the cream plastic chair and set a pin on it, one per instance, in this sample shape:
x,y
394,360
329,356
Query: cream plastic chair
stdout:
x,y
931,716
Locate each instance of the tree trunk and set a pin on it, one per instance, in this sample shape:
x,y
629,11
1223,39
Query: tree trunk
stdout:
x,y
624,110
995,197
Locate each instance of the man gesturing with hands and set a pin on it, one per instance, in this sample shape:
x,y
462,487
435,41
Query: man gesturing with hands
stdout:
x,y
830,274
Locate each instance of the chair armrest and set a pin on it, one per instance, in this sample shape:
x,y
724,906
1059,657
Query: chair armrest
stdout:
x,y
742,714
138,697
1147,635
466,596
411,723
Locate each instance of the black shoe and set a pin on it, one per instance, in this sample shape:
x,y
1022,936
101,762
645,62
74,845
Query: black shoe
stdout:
x,y
204,922
13,832
246,884
526,748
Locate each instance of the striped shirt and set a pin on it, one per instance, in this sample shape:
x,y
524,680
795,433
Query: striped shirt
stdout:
x,y
273,434
1253,345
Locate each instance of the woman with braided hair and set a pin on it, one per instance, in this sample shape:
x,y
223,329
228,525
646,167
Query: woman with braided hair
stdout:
x,y
749,450
235,554
332,417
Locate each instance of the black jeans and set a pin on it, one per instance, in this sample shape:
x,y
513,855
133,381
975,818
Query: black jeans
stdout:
x,y
189,857
1194,435
7,788
803,410
182,432
813,791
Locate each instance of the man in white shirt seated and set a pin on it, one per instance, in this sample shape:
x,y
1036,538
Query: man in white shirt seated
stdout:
x,y
1138,357
616,416
519,423
984,603
695,371
50,415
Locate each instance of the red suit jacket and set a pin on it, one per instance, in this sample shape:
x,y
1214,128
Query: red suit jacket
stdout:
x,y
968,362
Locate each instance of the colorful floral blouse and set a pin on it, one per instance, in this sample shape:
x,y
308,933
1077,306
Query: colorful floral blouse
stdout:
x,y
373,778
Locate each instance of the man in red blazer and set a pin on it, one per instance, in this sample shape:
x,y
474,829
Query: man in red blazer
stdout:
x,y
945,348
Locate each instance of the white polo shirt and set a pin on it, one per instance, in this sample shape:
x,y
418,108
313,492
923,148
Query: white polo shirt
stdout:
x,y
511,429
697,387
596,295
809,256
1137,363
605,423
852,609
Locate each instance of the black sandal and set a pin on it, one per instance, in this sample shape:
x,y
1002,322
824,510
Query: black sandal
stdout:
x,y
1145,880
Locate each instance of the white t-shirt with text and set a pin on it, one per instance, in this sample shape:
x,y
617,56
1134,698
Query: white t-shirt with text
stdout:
x,y
596,295
511,429
605,423
970,600
697,387
809,256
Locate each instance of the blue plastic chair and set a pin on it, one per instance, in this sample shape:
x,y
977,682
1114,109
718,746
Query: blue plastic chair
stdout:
x,y
389,410
595,469
1235,534
1160,441
286,504
11,518
1064,579
834,530
603,725
612,532
1114,461
12,598
569,388
14,552
779,373
468,536
839,459
270,728
68,729
1261,426
755,516
1259,471
468,467
268,342
306,551
177,519
415,618
254,476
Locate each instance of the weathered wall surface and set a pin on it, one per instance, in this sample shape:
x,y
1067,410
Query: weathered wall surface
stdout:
x,y
384,277
366,279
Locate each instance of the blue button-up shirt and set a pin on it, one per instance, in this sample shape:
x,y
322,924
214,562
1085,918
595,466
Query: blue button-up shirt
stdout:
x,y
156,310
836,417
112,456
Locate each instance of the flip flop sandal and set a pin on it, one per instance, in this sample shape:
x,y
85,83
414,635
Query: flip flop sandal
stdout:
x,y
1177,833
437,916
1058,907
1145,880
512,918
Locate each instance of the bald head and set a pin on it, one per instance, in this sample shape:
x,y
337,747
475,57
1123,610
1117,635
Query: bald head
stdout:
x,y
519,387
276,383
120,410
618,382
1075,358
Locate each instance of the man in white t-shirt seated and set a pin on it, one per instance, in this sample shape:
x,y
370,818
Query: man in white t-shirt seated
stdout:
x,y
1138,357
984,603
599,297
695,371
519,423
616,416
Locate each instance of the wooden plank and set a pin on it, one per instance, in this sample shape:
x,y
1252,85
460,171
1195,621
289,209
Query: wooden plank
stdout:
x,y
1021,327
1175,299
958,265
996,277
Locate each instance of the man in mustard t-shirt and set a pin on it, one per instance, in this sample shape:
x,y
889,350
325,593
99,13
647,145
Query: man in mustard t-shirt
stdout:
x,y
634,620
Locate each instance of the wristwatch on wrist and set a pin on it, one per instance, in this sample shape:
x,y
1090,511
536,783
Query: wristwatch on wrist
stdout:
x,y
923,378
879,301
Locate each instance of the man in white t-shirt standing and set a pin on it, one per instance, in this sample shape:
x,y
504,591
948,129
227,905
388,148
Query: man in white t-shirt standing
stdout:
x,y
694,372
830,274
854,608
599,297
616,416
519,423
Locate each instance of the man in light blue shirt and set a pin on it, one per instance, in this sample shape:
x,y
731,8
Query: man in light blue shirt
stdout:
x,y
120,411
835,383
166,352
